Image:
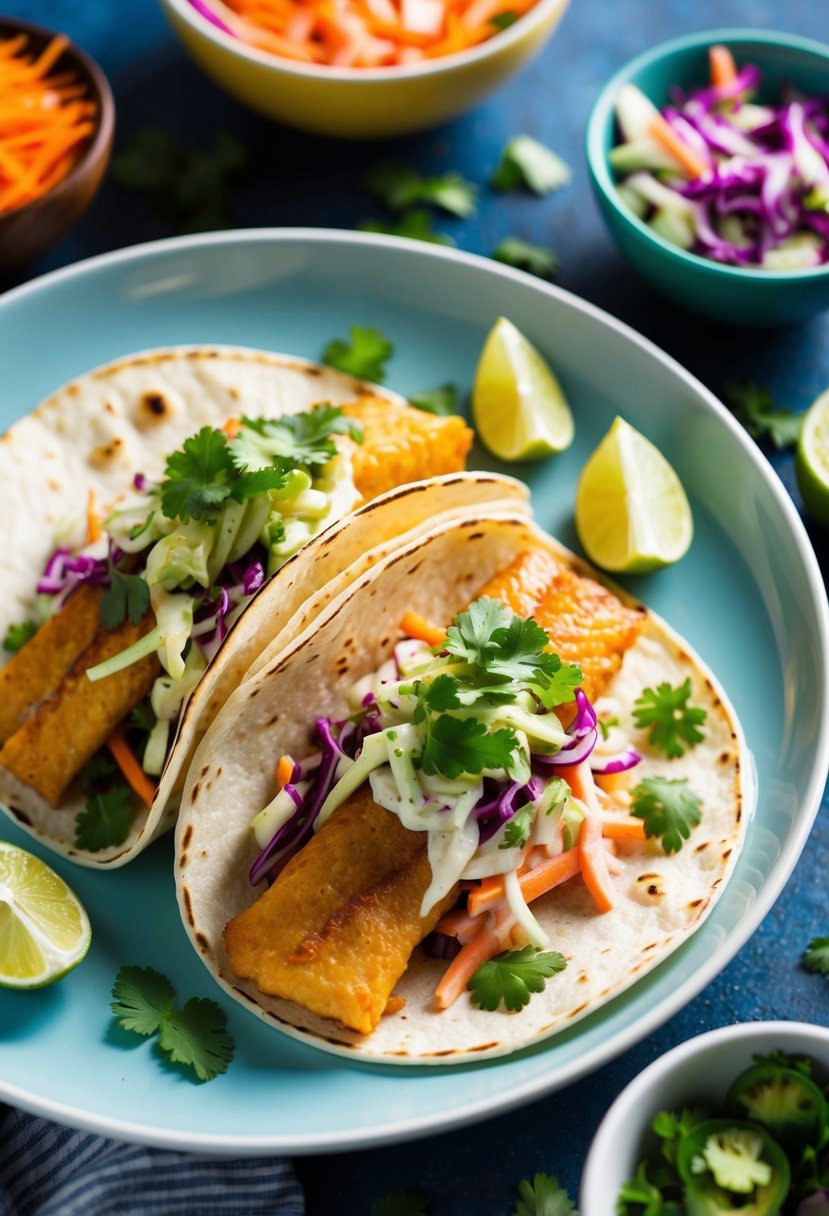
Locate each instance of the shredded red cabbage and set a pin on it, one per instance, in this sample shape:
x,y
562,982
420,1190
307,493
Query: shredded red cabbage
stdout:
x,y
619,762
207,12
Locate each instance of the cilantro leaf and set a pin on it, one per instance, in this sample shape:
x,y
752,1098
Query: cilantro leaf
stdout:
x,y
526,162
18,635
513,977
399,187
503,21
535,259
517,831
186,188
669,809
306,438
105,819
437,695
195,1036
543,1197
128,595
197,477
470,636
671,719
816,955
442,400
415,224
400,1203
365,356
141,998
753,406
464,745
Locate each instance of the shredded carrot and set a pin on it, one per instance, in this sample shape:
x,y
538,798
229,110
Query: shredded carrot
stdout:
x,y
722,67
135,776
46,120
534,882
483,946
231,427
364,33
663,133
284,771
623,827
416,626
93,519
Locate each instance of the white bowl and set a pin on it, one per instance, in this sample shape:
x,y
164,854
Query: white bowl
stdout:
x,y
697,1073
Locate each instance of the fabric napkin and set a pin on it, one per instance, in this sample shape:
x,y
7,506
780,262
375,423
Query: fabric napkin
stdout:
x,y
48,1170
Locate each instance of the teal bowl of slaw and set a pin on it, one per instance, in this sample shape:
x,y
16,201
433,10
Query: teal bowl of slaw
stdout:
x,y
739,295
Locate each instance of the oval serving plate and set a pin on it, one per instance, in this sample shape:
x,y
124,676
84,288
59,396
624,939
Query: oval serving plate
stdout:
x,y
748,596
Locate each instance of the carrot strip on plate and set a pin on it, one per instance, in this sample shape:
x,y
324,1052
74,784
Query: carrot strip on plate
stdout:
x,y
416,626
134,774
623,827
483,946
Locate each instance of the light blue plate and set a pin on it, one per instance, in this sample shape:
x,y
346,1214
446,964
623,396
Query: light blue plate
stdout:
x,y
748,596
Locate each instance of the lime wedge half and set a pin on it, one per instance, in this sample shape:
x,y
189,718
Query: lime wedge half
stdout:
x,y
811,462
632,514
44,929
518,407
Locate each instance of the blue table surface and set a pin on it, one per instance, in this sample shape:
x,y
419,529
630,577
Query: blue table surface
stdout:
x,y
296,179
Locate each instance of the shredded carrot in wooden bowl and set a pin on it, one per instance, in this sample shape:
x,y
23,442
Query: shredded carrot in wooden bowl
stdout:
x,y
46,120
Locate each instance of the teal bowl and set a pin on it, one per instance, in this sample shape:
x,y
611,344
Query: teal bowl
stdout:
x,y
738,295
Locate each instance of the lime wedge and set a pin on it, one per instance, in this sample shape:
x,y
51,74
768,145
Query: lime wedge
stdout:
x,y
632,514
811,464
518,407
44,930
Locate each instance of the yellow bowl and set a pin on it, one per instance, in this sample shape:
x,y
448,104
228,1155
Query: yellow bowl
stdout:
x,y
362,103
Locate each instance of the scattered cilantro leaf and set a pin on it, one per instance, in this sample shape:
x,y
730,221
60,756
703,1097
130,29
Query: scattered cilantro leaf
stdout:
x,y
415,224
105,819
526,162
669,810
141,998
400,1203
398,187
671,719
435,696
197,477
306,438
195,1036
753,406
18,635
543,1197
128,595
517,831
503,21
187,189
604,725
365,355
442,400
464,745
513,977
816,955
535,259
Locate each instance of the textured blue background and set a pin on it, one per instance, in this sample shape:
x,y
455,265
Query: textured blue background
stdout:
x,y
300,180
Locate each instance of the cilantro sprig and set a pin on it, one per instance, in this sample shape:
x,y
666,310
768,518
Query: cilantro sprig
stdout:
x,y
365,355
195,1036
816,956
415,223
535,259
512,978
17,635
753,405
303,438
672,721
126,597
105,819
399,187
454,746
670,809
543,1197
442,400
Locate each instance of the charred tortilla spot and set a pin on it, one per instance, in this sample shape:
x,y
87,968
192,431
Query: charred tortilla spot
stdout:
x,y
582,979
188,907
218,772
233,393
182,861
205,771
579,1009
695,903
414,569
726,854
109,407
194,794
725,757
188,836
702,847
20,815
154,408
476,536
204,944
106,453
650,946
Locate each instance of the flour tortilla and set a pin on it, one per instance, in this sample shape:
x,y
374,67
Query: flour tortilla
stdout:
x,y
126,417
662,899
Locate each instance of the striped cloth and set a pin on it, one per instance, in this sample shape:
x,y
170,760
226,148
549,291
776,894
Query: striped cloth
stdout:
x,y
47,1170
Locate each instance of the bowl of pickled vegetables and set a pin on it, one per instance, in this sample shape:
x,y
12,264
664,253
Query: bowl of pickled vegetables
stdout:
x,y
709,158
732,1123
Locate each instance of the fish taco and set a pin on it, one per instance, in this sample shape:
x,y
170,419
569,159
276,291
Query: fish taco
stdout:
x,y
179,515
481,795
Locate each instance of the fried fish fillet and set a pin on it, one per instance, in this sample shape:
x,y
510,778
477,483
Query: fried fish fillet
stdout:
x,y
335,930
54,743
